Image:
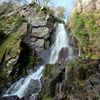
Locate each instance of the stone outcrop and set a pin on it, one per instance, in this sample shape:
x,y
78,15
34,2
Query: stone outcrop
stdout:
x,y
41,27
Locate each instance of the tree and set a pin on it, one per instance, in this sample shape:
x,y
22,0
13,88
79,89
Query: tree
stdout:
x,y
46,2
43,3
60,11
15,1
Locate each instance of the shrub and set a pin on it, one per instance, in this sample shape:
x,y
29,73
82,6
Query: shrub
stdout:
x,y
85,29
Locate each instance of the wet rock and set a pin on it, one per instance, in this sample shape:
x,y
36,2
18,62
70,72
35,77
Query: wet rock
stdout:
x,y
33,88
11,98
63,55
44,56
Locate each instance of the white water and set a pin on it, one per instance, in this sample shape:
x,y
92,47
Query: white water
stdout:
x,y
79,52
61,41
20,87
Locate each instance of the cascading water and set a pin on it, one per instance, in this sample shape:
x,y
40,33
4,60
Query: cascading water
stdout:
x,y
20,88
61,41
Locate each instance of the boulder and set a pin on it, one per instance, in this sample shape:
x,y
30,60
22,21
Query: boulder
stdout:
x,y
63,55
39,43
40,32
39,22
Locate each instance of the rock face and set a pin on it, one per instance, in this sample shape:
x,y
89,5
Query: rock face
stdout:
x,y
11,98
63,55
26,32
87,5
41,27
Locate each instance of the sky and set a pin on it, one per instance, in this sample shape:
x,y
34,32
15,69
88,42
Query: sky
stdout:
x,y
68,4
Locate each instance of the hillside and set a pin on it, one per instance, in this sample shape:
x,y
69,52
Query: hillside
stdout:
x,y
85,26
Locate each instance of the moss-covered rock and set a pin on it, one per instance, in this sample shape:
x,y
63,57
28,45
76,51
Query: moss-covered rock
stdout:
x,y
12,43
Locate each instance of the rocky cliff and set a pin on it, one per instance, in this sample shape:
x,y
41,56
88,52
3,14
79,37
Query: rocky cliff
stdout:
x,y
25,34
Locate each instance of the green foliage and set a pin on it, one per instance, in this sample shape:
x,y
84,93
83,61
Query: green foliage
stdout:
x,y
47,95
50,73
32,60
11,23
79,30
85,29
42,6
50,70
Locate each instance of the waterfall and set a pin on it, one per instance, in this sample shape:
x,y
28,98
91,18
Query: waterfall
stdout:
x,y
61,41
21,87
